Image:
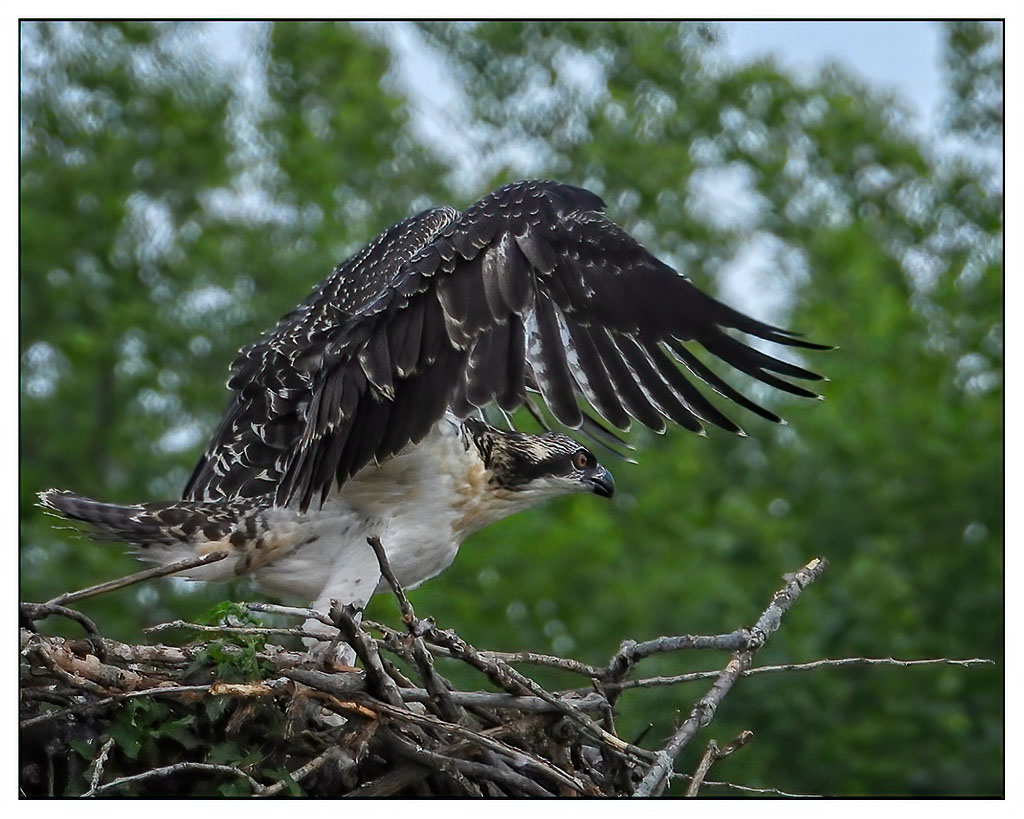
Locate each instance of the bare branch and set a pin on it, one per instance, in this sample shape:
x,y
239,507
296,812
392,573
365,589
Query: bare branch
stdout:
x,y
138,577
408,615
344,685
748,789
33,612
515,683
711,756
520,758
704,711
434,683
547,661
97,771
344,617
333,752
842,662
252,631
86,707
290,611
170,770
265,689
631,652
520,784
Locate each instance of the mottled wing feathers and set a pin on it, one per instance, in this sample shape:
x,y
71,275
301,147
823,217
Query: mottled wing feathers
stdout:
x,y
276,384
531,289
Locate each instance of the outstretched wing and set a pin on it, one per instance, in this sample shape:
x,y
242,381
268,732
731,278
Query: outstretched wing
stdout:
x,y
531,288
273,381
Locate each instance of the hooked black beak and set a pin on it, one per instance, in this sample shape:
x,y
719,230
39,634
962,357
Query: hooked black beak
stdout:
x,y
602,483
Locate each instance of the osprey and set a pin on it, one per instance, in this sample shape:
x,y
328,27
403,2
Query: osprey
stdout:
x,y
361,413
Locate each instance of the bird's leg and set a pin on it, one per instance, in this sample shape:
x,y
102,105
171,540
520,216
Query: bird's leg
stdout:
x,y
350,581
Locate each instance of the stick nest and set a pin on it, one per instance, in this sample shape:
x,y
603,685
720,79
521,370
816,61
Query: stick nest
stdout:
x,y
237,713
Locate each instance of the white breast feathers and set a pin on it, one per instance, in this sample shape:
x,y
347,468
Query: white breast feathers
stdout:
x,y
422,504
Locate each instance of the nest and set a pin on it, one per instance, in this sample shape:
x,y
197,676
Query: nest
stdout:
x,y
237,714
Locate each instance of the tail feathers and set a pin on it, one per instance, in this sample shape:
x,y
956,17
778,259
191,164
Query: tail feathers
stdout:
x,y
135,525
165,532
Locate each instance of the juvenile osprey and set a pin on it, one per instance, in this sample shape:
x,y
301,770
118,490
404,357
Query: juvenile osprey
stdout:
x,y
360,413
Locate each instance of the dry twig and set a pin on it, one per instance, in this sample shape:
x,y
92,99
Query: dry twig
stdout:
x,y
97,773
841,662
704,711
711,756
138,577
171,770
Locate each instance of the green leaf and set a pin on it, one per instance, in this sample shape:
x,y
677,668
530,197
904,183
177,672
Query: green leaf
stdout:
x,y
127,738
179,731
83,748
224,753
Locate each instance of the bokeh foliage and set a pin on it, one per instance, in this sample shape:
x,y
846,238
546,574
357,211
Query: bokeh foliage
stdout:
x,y
170,213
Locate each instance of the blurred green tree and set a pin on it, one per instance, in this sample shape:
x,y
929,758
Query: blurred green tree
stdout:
x,y
834,213
168,215
974,67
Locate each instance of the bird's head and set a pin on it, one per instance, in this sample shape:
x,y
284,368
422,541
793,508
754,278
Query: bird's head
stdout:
x,y
537,467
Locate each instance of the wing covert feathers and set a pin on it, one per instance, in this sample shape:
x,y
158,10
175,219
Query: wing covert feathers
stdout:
x,y
531,287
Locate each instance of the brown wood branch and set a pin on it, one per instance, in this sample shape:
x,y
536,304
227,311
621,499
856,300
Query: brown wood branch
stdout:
x,y
432,760
520,758
434,683
95,675
138,577
68,678
31,613
344,618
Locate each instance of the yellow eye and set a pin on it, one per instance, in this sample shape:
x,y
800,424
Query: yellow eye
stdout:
x,y
581,460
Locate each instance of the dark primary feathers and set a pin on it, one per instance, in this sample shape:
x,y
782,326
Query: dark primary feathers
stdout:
x,y
532,288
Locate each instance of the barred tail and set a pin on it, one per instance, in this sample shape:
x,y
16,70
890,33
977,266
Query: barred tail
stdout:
x,y
165,532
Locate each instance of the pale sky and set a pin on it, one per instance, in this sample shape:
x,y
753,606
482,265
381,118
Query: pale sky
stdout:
x,y
899,56
903,56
